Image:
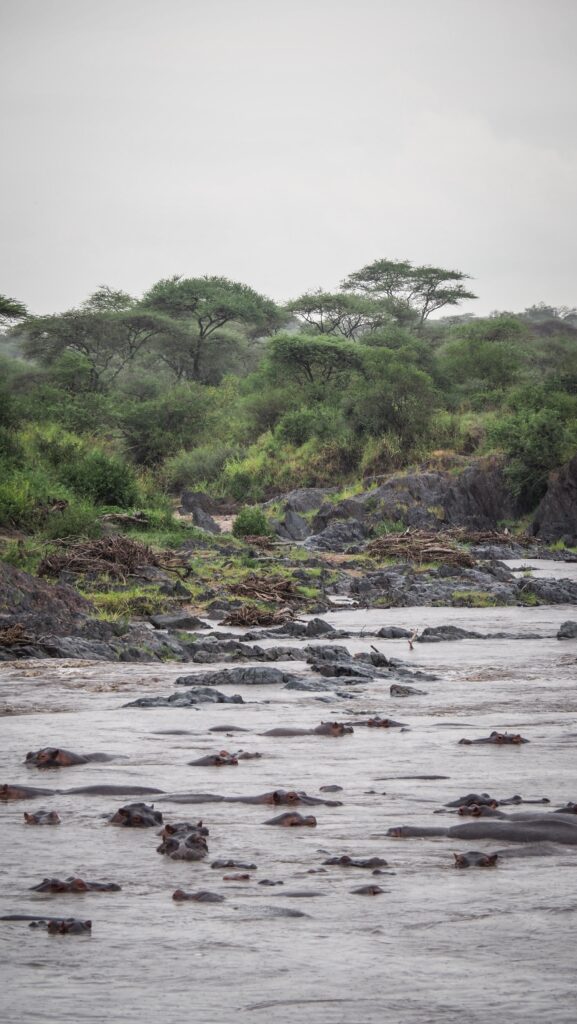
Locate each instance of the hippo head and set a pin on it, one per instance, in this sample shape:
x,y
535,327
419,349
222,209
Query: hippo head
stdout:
x,y
285,796
184,841
42,818
474,859
136,816
68,926
334,728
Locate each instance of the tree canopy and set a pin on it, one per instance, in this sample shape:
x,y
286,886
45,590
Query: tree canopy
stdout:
x,y
413,292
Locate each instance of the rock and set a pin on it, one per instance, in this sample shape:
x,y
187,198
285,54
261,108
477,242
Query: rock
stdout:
x,y
434,634
292,527
253,676
556,516
183,621
337,536
304,499
477,498
567,630
204,521
186,699
316,627
393,632
191,500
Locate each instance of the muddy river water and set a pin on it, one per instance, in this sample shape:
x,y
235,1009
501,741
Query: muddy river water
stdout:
x,y
438,945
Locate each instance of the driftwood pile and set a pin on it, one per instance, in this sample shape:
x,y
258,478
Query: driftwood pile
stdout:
x,y
276,590
420,546
15,636
251,615
117,557
497,537
269,589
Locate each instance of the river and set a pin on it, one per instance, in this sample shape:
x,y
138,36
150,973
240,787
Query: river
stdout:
x,y
438,945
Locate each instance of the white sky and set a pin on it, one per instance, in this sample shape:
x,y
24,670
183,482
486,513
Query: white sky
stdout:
x,y
286,143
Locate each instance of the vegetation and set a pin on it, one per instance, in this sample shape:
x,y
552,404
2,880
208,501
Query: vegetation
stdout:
x,y
203,383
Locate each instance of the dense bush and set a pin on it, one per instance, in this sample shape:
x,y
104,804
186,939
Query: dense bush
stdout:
x,y
106,479
251,522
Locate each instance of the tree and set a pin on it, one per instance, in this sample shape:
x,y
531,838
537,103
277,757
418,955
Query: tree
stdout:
x,y
107,340
309,359
412,292
204,305
347,315
11,310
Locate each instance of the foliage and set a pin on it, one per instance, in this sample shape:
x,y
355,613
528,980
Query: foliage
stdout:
x,y
310,359
345,314
251,522
413,292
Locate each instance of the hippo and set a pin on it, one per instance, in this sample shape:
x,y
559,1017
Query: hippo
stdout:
x,y
103,790
42,817
276,797
57,757
500,739
475,859
216,760
324,729
74,885
474,799
184,841
368,890
530,828
218,865
381,723
396,690
292,819
569,808
345,861
236,878
68,926
203,896
136,816
17,792
55,925
480,811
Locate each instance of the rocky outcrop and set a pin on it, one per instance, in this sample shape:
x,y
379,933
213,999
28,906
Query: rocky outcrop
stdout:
x,y
478,498
556,516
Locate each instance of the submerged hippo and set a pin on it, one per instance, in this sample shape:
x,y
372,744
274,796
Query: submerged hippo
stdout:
x,y
381,723
136,816
324,729
203,896
75,885
216,760
184,841
275,797
529,828
475,859
68,926
8,791
500,739
345,861
42,817
368,890
292,819
218,865
57,757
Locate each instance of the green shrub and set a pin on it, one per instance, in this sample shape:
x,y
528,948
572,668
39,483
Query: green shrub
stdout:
x,y
106,479
191,469
251,522
79,519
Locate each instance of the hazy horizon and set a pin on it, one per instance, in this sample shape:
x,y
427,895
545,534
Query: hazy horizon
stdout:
x,y
287,147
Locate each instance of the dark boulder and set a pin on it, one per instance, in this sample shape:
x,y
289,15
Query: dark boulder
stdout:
x,y
556,516
567,630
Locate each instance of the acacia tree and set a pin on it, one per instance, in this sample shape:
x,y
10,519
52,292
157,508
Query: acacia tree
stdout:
x,y
308,359
204,305
412,292
108,341
346,314
11,310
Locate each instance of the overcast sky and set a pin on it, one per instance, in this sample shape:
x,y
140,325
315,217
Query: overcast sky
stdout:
x,y
286,143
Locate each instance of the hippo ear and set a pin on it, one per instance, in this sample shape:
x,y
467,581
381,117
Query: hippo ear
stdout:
x,y
491,859
88,924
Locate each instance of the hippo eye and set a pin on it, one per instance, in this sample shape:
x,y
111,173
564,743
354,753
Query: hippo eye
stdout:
x,y
137,819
